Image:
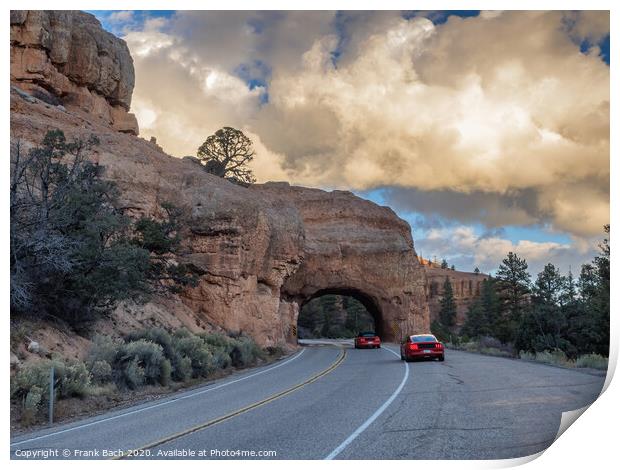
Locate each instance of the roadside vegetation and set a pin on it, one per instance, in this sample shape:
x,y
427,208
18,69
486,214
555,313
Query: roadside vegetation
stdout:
x,y
556,319
154,358
75,253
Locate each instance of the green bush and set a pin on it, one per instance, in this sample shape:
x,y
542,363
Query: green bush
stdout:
x,y
245,352
104,349
31,405
221,359
36,374
199,353
156,356
182,370
74,380
133,375
101,372
166,373
528,356
144,355
218,340
594,361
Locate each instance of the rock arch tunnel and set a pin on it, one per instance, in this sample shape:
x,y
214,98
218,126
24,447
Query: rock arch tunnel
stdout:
x,y
369,303
354,247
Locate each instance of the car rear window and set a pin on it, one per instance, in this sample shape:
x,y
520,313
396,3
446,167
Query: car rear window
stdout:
x,y
367,334
423,339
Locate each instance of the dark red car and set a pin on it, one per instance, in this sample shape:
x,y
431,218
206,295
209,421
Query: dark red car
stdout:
x,y
421,347
367,339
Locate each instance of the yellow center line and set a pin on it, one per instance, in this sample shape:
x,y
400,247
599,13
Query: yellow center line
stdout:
x,y
228,416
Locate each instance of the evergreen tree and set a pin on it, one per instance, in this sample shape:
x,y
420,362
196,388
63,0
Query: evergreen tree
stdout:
x,y
447,311
542,322
444,264
513,283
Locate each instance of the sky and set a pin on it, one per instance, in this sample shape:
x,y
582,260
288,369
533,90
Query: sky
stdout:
x,y
487,131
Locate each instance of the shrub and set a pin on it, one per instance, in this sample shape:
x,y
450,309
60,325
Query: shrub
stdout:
x,y
180,369
221,359
33,375
144,355
101,372
245,352
166,372
31,384
104,349
528,356
133,375
74,380
218,340
199,353
31,405
594,361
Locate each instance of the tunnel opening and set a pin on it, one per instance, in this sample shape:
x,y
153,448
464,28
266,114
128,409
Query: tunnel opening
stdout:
x,y
337,313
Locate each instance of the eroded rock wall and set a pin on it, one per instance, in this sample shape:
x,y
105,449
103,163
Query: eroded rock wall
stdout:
x,y
355,247
67,58
465,288
261,252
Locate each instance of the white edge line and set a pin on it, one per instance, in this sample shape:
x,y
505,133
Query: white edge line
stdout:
x,y
374,416
157,405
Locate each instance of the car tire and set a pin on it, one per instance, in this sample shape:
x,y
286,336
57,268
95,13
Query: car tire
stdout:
x,y
441,358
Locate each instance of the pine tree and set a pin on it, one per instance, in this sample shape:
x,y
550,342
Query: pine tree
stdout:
x,y
542,321
447,311
513,283
444,264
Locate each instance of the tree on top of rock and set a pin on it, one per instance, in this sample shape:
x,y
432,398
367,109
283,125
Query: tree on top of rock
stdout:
x,y
226,154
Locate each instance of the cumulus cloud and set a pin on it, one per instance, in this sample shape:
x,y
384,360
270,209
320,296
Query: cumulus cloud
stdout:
x,y
467,250
501,116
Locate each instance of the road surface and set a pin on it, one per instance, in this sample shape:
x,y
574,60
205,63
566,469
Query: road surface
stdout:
x,y
332,401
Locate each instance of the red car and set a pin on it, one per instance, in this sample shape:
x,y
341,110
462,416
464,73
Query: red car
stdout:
x,y
367,339
421,346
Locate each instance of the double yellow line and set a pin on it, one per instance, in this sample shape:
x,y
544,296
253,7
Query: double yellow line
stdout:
x,y
238,412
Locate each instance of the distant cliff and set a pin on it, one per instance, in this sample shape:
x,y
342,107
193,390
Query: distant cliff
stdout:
x,y
465,287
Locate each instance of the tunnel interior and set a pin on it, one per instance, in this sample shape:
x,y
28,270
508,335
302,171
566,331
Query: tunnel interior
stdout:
x,y
338,312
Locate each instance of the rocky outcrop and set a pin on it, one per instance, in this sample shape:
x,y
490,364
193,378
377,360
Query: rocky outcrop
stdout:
x,y
465,288
67,58
355,247
261,252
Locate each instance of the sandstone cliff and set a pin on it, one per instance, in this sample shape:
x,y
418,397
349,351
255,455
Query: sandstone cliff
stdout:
x,y
465,287
261,251
67,58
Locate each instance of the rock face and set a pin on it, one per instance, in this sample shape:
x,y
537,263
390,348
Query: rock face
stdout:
x,y
465,287
355,247
261,252
65,57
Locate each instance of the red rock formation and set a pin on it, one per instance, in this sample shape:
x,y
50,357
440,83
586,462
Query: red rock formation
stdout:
x,y
65,57
260,251
465,286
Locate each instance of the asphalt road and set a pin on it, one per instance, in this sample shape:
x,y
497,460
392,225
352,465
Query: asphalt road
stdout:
x,y
332,401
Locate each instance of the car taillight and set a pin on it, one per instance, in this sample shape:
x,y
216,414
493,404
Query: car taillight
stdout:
x,y
376,338
413,347
438,346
